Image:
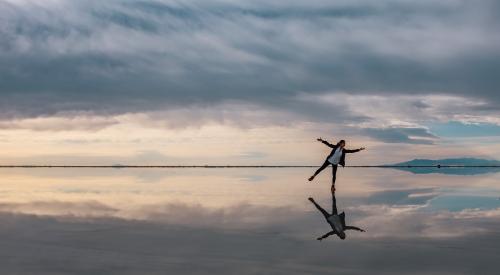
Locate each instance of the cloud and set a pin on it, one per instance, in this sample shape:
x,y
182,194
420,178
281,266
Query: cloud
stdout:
x,y
117,57
240,115
401,135
253,155
62,122
407,221
402,197
79,209
117,246
234,114
144,157
234,217
242,216
383,214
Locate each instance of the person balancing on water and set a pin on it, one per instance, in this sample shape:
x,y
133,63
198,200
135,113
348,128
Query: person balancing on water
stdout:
x,y
336,157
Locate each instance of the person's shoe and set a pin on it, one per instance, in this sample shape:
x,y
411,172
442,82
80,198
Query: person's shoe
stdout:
x,y
311,178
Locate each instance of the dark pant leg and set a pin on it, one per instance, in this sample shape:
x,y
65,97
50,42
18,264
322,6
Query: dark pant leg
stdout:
x,y
334,174
323,211
323,166
334,205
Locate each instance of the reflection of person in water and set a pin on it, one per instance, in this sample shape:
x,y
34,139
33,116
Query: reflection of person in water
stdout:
x,y
336,157
336,221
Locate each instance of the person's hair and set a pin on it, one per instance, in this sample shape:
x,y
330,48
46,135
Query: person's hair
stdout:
x,y
341,141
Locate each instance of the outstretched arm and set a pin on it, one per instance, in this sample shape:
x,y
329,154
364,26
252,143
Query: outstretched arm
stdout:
x,y
326,142
326,235
355,150
349,227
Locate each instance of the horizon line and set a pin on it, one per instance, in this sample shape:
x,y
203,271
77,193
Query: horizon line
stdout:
x,y
244,166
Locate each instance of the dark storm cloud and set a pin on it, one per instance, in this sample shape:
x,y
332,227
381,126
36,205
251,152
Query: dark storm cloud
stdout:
x,y
128,56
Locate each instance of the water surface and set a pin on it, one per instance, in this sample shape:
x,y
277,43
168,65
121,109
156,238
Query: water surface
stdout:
x,y
250,221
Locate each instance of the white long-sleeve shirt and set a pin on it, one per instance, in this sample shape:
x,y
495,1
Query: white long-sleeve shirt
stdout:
x,y
335,158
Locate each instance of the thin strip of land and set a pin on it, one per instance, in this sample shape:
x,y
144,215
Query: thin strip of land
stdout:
x,y
244,166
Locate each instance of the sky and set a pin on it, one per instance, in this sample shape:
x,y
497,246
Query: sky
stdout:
x,y
247,82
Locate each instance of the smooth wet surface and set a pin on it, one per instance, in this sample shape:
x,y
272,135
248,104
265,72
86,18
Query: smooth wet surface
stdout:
x,y
246,221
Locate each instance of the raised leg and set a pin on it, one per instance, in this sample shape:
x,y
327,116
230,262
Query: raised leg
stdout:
x,y
323,211
321,168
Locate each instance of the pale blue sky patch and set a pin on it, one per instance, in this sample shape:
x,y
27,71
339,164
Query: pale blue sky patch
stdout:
x,y
456,129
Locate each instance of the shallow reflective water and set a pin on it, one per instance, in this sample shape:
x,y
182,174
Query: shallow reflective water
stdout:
x,y
250,221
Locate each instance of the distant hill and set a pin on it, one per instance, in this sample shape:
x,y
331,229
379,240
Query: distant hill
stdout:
x,y
450,162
